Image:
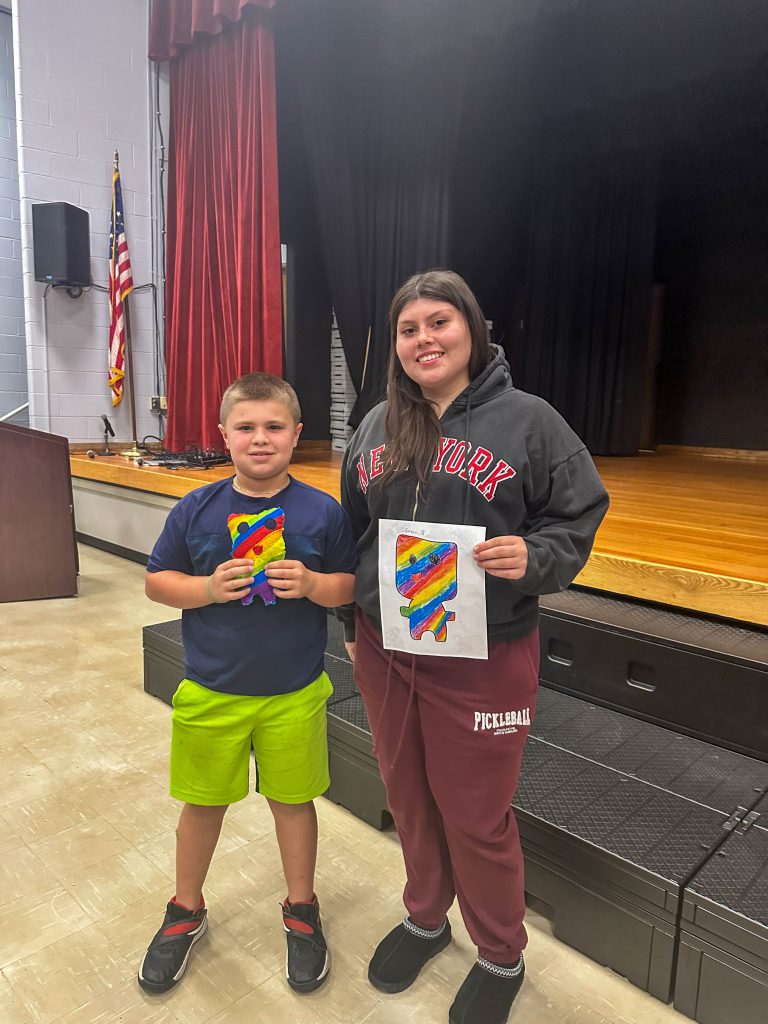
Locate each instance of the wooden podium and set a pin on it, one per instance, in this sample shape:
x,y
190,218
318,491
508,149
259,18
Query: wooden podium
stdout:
x,y
38,551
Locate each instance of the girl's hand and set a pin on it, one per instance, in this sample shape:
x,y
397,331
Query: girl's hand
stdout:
x,y
506,557
351,646
291,579
230,581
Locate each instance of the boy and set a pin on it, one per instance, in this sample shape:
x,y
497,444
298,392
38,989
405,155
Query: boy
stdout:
x,y
254,672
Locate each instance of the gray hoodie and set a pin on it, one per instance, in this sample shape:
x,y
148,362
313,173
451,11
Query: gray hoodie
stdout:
x,y
507,461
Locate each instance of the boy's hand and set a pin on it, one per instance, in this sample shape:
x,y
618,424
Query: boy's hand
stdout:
x,y
291,579
229,583
506,557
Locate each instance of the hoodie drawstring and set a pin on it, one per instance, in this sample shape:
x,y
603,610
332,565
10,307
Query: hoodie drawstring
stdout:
x,y
389,680
409,705
387,688
468,488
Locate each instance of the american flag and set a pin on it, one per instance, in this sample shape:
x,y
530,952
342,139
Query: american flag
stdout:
x,y
120,287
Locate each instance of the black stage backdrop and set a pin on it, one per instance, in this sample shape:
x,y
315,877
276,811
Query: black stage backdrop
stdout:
x,y
380,89
589,282
584,100
519,143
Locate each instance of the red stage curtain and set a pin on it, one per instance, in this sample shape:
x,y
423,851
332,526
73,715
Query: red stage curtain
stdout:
x,y
175,22
223,277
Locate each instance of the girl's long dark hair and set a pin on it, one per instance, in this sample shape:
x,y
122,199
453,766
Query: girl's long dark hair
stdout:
x,y
412,424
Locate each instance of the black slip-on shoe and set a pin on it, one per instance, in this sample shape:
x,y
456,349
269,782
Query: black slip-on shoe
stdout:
x,y
400,956
487,993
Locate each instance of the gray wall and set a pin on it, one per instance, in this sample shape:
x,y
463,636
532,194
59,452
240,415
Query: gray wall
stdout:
x,y
83,90
13,360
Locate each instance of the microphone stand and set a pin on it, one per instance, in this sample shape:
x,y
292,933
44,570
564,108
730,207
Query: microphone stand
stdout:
x,y
106,443
106,453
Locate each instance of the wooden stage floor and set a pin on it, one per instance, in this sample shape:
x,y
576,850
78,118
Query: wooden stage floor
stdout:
x,y
683,530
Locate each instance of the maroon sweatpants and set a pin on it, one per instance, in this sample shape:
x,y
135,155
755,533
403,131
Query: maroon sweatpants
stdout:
x,y
449,736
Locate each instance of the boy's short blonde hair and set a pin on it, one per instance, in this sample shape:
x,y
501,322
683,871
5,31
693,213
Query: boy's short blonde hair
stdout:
x,y
260,387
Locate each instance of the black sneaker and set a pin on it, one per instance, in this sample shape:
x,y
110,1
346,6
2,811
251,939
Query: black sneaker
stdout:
x,y
168,953
308,960
487,993
401,955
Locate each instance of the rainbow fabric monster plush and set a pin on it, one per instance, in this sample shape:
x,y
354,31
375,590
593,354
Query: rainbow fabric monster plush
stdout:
x,y
426,575
260,538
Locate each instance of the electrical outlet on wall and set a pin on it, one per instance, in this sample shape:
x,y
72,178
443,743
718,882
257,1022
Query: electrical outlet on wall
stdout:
x,y
158,403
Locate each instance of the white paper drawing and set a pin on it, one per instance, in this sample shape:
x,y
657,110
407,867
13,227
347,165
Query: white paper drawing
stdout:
x,y
432,590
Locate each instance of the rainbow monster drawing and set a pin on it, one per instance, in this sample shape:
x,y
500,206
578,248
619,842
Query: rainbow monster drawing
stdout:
x,y
260,538
426,575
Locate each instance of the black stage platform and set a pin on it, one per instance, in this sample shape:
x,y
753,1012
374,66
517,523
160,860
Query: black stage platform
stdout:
x,y
643,817
694,675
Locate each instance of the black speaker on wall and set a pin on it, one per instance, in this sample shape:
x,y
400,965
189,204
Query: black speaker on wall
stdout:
x,y
61,237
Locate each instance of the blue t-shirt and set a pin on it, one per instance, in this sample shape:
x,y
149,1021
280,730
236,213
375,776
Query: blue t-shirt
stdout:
x,y
256,650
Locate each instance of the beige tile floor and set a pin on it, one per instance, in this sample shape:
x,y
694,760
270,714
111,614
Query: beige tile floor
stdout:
x,y
86,858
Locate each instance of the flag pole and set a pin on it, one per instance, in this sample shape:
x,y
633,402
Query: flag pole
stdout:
x,y
133,452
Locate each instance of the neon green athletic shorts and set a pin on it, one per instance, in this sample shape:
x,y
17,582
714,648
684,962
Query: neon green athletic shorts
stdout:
x,y
213,734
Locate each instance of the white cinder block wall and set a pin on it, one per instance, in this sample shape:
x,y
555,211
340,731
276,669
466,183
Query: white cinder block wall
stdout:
x,y
13,359
82,90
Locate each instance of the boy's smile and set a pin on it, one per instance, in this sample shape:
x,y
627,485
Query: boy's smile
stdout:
x,y
260,436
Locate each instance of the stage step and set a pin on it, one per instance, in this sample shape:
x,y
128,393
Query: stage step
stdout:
x,y
163,659
671,761
698,676
355,779
609,856
722,970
